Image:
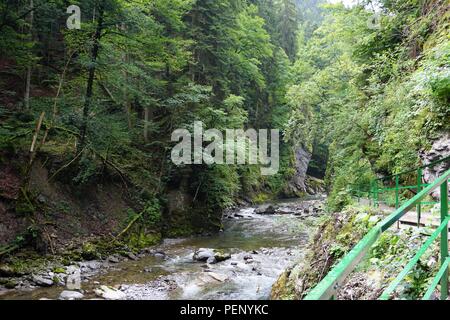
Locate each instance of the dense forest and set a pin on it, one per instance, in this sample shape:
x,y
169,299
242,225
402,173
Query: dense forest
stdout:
x,y
87,109
107,96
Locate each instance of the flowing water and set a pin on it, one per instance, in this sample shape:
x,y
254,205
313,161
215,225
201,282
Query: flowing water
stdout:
x,y
261,248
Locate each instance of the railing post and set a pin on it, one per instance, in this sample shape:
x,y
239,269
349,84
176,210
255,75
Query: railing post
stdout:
x,y
396,192
371,194
444,238
396,197
375,185
419,188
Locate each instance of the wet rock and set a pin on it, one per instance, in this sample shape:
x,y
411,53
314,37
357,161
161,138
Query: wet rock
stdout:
x,y
220,256
265,209
160,254
73,281
284,210
203,254
72,269
70,295
210,255
59,279
113,259
7,272
109,293
10,284
42,281
211,260
248,257
132,256
234,263
218,277
90,265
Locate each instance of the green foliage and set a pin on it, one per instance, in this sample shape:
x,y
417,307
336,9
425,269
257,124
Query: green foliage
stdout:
x,y
374,97
389,255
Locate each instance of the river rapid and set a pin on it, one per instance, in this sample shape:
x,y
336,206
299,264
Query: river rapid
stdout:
x,y
261,246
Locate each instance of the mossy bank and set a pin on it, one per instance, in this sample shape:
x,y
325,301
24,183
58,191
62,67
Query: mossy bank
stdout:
x,y
336,235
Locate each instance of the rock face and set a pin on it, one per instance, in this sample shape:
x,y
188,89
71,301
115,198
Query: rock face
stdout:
x,y
440,149
301,183
302,159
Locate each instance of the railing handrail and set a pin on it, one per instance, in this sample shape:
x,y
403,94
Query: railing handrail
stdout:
x,y
433,163
326,289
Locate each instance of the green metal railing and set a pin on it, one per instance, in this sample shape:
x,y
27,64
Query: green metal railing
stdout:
x,y
378,187
327,288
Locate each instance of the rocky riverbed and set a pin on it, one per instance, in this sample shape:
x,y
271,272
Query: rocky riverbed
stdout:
x,y
241,262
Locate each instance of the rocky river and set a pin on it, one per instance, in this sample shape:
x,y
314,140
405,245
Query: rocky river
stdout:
x,y
241,262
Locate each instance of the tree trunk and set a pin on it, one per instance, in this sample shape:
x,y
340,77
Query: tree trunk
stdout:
x,y
28,80
91,76
146,119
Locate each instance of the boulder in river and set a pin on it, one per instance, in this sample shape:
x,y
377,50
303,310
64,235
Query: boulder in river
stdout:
x,y
285,210
113,259
211,260
203,254
109,293
217,276
210,255
42,281
70,295
265,209
221,256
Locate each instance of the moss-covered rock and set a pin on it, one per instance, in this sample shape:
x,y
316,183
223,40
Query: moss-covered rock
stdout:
x,y
89,251
142,240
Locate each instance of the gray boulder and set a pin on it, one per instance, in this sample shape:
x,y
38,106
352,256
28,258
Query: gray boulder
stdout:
x,y
109,293
265,209
210,255
220,256
203,254
42,281
70,295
